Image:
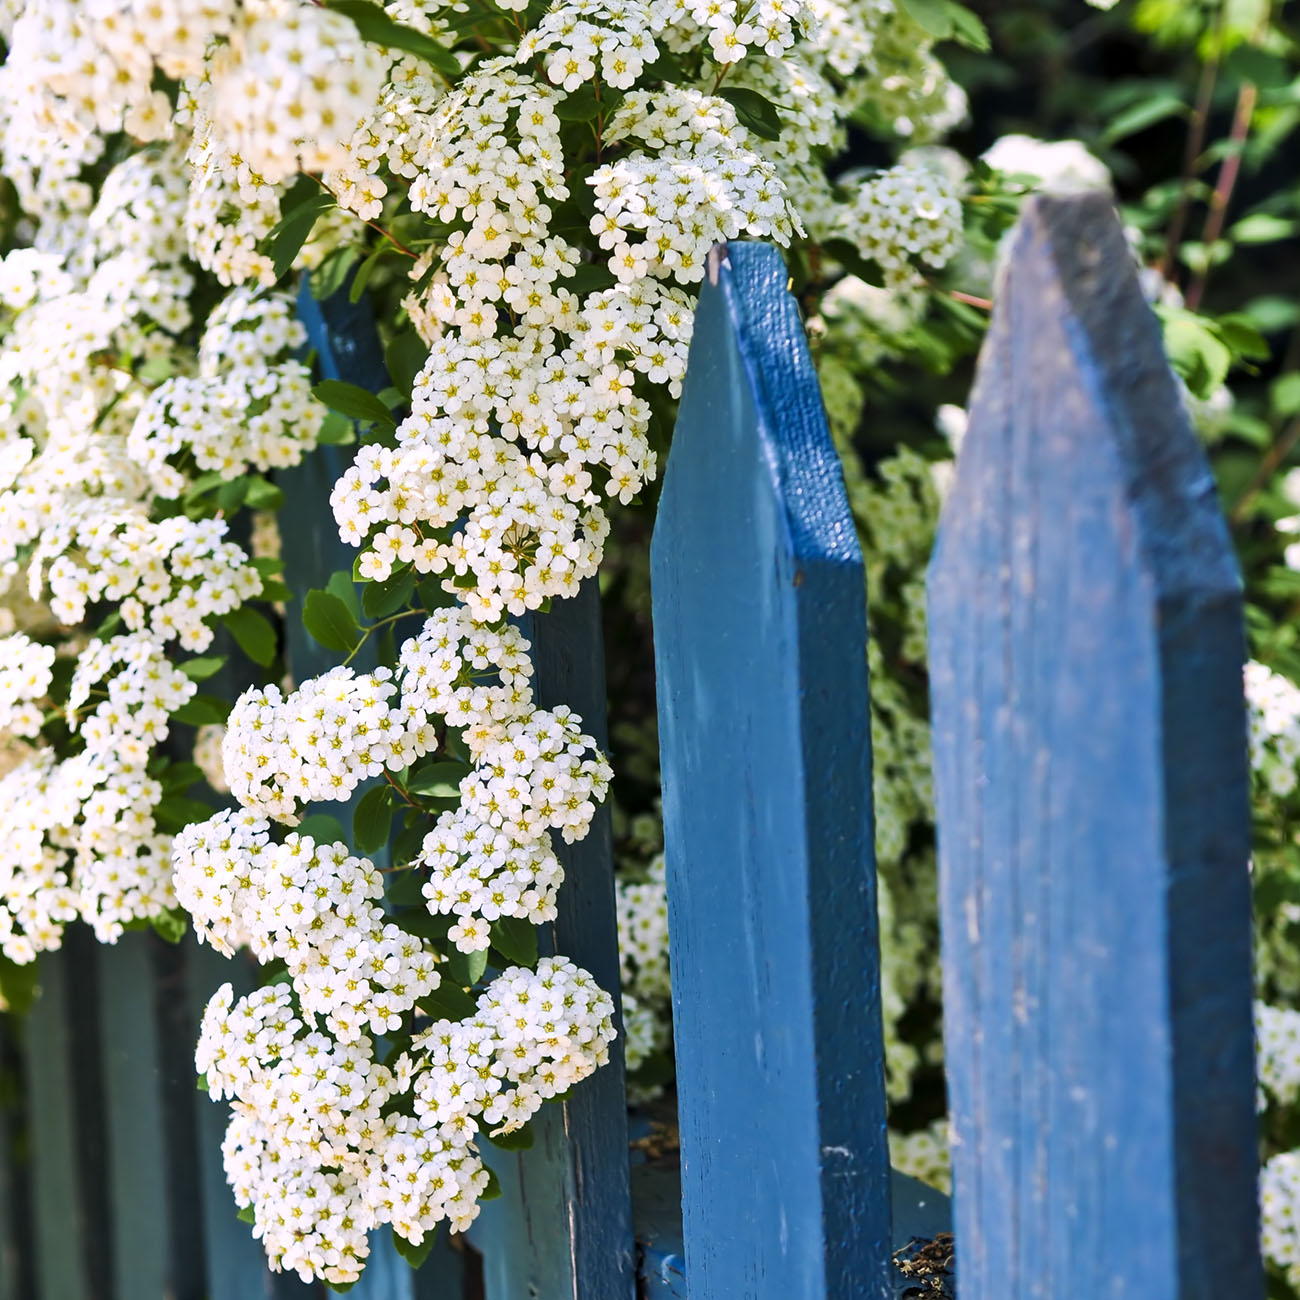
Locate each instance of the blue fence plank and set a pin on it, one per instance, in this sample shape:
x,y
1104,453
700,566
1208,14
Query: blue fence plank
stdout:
x,y
760,639
1090,766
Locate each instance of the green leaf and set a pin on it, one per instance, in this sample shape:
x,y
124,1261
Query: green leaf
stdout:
x,y
262,494
171,924
340,1288
1239,333
1145,113
332,274
354,402
931,16
18,985
253,634
447,1002
178,777
968,29
364,271
292,231
438,778
432,596
590,277
519,1140
230,496
202,710
201,1083
204,483
246,1215
373,819
336,431
1262,228
1201,358
493,1188
341,584
405,357
323,828
515,939
177,811
329,621
199,670
379,599
415,1255
378,28
467,968
755,112
1284,396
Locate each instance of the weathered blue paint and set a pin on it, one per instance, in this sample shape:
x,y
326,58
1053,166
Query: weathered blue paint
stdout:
x,y
1089,747
760,637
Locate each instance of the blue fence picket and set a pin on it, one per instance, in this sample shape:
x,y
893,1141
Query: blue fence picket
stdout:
x,y
760,637
1089,746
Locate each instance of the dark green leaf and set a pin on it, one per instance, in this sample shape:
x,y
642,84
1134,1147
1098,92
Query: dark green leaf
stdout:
x,y
493,1188
415,1255
404,357
246,1215
520,1140
579,105
755,112
515,939
379,599
591,277
447,1002
1145,113
1239,333
466,968
178,778
373,819
323,828
291,232
342,586
171,924
967,29
437,778
329,621
432,596
354,402
253,634
364,271
405,888
378,28
201,1083
332,274
199,670
202,710
230,496
177,811
204,483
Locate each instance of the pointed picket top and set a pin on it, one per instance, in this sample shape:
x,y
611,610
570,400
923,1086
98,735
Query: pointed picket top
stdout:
x,y
760,645
1090,768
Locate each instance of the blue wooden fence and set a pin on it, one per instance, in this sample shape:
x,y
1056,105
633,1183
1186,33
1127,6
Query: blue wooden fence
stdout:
x,y
1089,751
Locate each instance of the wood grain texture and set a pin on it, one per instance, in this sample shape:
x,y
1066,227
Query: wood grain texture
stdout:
x,y
563,1226
760,634
1090,764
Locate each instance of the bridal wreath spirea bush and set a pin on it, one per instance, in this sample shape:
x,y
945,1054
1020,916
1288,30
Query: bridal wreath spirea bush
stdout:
x,y
527,192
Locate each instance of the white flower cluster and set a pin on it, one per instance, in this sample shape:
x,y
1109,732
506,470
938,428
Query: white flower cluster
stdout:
x,y
643,963
319,741
1277,1051
325,1143
905,215
25,676
1273,715
249,407
1279,1209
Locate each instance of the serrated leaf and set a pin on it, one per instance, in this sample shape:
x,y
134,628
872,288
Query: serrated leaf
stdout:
x,y
378,28
755,112
379,599
292,231
515,938
171,924
253,634
373,819
199,670
354,402
467,968
329,621
202,710
412,1254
